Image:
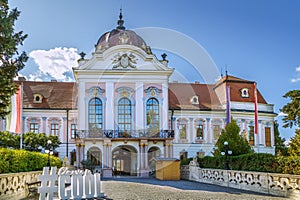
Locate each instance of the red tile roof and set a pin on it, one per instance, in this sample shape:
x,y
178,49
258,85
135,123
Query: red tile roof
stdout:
x,y
236,84
56,95
180,95
62,95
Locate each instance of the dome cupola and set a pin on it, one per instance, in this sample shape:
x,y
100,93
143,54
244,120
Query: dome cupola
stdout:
x,y
121,36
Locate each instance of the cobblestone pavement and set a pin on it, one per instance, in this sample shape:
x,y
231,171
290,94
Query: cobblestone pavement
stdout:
x,y
150,188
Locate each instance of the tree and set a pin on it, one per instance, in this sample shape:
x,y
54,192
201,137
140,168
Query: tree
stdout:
x,y
37,141
11,61
280,148
292,109
9,140
294,144
236,143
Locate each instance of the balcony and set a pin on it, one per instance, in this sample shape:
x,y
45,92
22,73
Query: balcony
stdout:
x,y
124,134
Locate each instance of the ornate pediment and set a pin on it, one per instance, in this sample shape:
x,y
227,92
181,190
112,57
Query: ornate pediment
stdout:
x,y
152,91
95,91
124,61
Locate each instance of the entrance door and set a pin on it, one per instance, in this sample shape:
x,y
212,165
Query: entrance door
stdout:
x,y
153,153
124,161
94,158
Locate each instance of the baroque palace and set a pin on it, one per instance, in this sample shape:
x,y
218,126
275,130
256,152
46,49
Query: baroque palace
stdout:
x,y
122,112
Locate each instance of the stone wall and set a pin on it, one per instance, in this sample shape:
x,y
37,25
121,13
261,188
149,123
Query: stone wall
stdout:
x,y
13,185
284,185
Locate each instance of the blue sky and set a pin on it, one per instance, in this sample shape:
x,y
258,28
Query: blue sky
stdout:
x,y
257,40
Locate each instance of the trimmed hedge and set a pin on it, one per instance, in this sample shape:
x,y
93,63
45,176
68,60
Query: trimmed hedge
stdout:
x,y
254,162
13,161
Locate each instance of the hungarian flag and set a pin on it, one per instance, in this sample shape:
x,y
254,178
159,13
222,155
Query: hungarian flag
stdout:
x,y
255,110
13,119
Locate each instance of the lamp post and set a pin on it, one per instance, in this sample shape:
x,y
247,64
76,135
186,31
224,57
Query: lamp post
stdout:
x,y
49,152
226,153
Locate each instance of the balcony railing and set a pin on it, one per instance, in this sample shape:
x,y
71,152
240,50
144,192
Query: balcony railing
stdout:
x,y
124,134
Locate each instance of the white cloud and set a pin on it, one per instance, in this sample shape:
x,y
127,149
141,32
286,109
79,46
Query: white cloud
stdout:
x,y
281,114
55,63
294,80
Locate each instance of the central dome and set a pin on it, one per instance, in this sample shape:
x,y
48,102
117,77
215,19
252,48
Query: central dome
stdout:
x,y
121,36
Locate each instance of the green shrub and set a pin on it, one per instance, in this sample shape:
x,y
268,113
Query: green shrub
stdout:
x,y
246,162
12,161
186,161
289,165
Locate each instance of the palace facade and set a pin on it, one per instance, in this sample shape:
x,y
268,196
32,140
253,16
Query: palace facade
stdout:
x,y
122,112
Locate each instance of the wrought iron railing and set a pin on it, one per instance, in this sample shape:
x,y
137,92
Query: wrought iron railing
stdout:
x,y
124,134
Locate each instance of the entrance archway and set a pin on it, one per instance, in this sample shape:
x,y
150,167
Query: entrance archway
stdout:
x,y
153,152
94,157
124,160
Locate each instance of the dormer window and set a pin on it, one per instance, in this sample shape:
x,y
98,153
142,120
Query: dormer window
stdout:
x,y
37,98
244,93
194,100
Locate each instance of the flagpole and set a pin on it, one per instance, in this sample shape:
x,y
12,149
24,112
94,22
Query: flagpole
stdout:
x,y
21,116
255,110
227,105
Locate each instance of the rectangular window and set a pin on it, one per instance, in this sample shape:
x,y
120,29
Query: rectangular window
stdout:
x,y
199,130
251,135
268,136
73,130
216,131
54,129
34,127
182,131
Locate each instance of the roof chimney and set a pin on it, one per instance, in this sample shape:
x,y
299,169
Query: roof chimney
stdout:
x,y
21,78
53,80
197,82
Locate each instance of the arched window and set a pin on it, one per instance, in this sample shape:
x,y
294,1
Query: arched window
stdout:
x,y
124,114
95,114
152,115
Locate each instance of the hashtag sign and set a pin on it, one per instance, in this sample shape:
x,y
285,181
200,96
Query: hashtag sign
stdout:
x,y
47,183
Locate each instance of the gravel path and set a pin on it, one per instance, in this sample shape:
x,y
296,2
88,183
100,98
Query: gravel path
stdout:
x,y
149,188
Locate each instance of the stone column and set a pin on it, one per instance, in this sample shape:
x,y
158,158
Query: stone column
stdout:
x,y
107,159
139,111
81,106
64,136
166,150
191,131
171,150
109,115
104,157
257,137
144,163
109,155
44,119
208,132
272,134
262,133
146,156
165,106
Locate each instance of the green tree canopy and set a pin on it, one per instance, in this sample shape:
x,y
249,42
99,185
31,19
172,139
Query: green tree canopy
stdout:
x,y
280,148
292,109
34,141
31,141
294,145
11,61
236,143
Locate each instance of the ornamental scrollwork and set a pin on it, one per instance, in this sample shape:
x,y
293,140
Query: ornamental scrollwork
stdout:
x,y
124,61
